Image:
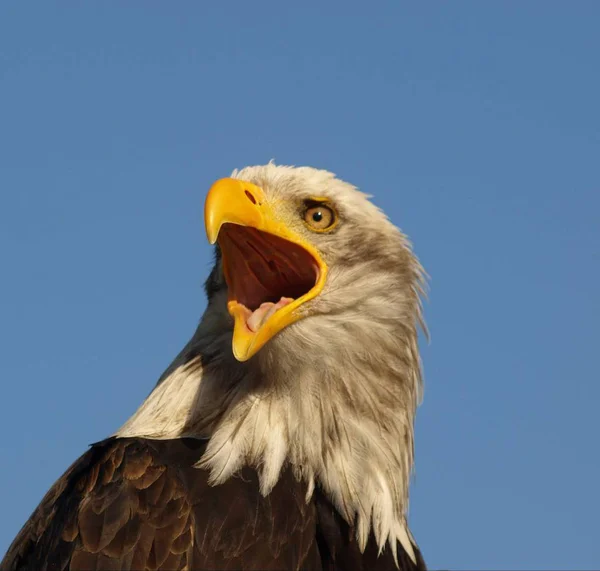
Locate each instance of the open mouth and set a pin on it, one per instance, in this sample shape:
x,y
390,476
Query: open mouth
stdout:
x,y
271,271
264,272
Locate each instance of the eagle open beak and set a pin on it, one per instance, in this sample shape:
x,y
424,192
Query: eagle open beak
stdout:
x,y
270,270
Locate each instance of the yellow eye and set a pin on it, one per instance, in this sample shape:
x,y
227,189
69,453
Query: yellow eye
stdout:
x,y
319,217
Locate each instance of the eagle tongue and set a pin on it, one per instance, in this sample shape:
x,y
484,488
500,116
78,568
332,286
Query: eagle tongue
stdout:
x,y
260,315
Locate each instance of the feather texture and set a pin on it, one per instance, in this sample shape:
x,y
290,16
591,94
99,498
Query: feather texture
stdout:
x,y
133,504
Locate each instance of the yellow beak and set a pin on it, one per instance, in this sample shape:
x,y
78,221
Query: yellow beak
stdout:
x,y
238,202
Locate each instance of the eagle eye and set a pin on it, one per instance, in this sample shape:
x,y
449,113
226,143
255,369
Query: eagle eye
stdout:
x,y
319,217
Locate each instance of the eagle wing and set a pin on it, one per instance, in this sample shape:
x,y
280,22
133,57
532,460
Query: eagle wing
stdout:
x,y
138,505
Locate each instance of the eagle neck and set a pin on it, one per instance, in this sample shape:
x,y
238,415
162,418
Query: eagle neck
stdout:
x,y
343,420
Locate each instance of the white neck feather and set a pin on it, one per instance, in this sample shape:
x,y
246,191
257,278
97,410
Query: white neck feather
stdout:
x,y
339,412
346,426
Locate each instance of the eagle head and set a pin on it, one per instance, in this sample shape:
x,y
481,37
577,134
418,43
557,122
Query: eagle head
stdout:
x,y
311,268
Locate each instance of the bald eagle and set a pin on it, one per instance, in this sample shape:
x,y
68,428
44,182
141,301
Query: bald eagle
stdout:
x,y
281,437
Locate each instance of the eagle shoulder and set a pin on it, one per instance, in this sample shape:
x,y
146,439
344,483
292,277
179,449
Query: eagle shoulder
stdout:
x,y
117,507
136,504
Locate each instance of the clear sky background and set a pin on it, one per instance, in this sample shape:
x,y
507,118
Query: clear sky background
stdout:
x,y
476,126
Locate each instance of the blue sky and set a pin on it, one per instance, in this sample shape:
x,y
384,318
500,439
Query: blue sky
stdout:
x,y
476,126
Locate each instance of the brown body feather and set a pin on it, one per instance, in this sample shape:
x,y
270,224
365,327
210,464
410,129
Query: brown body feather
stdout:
x,y
135,504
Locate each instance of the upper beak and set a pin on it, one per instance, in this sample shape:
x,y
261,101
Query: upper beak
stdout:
x,y
243,203
237,202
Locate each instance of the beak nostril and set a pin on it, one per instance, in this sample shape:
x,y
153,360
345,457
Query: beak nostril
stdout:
x,y
250,197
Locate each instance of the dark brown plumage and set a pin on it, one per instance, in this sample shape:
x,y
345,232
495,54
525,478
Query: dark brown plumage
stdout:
x,y
139,504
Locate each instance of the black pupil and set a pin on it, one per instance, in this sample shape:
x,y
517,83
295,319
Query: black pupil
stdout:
x,y
317,216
